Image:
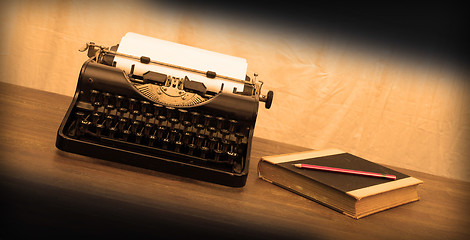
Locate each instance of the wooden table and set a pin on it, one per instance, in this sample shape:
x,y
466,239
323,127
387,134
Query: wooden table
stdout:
x,y
47,192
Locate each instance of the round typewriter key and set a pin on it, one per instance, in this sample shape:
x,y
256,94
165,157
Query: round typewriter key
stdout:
x,y
199,129
122,124
173,122
213,143
232,125
173,135
94,95
204,150
96,117
119,101
132,104
125,134
83,127
191,148
135,125
112,132
138,137
135,114
147,117
122,111
186,138
217,154
147,128
160,120
99,129
161,132
239,138
220,122
186,125
152,139
108,120
200,139
178,146
170,112
212,132
232,157
208,119
96,105
224,133
109,108
158,109
225,145
106,98
195,117
183,114
145,106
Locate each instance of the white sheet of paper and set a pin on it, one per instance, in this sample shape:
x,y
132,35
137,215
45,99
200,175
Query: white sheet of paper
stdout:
x,y
181,55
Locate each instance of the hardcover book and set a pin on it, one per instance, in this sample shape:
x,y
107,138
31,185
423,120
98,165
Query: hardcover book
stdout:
x,y
354,195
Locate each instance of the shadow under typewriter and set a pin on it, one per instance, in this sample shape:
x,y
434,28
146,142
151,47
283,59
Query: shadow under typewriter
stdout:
x,y
161,122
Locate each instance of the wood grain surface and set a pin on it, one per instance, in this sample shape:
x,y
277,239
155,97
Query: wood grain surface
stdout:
x,y
48,192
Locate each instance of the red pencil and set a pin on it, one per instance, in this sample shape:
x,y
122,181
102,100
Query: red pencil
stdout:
x,y
341,170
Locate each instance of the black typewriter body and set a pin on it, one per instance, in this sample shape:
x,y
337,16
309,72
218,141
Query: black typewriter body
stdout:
x,y
142,121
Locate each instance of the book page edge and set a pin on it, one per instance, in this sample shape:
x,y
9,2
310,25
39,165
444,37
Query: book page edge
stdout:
x,y
275,159
384,187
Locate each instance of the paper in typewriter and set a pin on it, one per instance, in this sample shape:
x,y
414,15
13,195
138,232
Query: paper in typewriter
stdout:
x,y
181,55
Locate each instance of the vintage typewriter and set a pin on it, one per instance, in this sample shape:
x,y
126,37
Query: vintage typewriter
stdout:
x,y
167,107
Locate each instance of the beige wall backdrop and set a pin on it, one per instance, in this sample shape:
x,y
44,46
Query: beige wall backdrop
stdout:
x,y
378,103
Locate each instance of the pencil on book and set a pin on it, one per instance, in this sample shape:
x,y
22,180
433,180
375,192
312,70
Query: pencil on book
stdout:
x,y
342,170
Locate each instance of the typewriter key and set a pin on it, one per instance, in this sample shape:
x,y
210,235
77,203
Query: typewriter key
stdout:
x,y
96,106
133,104
83,127
199,129
224,133
207,120
147,117
158,109
135,125
99,129
122,124
94,95
145,107
95,118
79,117
220,122
173,122
125,134
138,137
217,155
108,120
186,125
195,117
239,138
204,150
106,98
178,146
160,120
152,139
170,112
183,114
147,128
232,125
119,101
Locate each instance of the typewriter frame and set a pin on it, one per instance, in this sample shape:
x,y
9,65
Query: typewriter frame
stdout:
x,y
95,75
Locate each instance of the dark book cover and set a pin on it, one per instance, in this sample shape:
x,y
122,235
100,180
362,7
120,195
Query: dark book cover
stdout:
x,y
334,188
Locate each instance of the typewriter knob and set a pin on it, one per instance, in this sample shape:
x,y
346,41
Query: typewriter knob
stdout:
x,y
267,99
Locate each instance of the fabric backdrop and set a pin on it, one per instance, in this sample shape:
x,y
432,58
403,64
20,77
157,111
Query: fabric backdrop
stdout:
x,y
330,91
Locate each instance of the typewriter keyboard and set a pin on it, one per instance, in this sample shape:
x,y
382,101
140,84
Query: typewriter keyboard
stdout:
x,y
176,133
